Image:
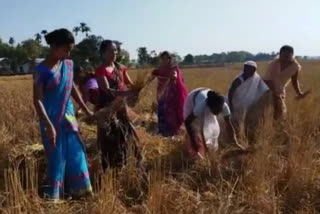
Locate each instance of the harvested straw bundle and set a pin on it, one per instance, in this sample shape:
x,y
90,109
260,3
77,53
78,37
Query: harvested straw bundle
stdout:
x,y
108,113
22,151
141,82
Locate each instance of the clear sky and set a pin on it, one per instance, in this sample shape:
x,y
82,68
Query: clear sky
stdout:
x,y
184,26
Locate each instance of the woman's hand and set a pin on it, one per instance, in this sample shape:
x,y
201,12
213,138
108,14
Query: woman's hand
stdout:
x,y
78,112
91,117
173,74
89,113
200,155
50,131
51,134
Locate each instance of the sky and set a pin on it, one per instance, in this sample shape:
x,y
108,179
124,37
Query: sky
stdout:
x,y
183,26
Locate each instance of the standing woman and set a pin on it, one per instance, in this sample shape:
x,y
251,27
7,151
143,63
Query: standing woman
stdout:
x,y
171,95
53,88
112,79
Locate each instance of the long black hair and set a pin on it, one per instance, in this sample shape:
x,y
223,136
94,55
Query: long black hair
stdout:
x,y
105,44
59,37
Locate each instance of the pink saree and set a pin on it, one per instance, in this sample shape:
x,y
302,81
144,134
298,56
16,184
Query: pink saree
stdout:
x,y
171,97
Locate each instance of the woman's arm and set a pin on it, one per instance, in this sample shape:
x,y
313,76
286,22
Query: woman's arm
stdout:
x,y
191,132
104,86
127,80
42,114
84,93
77,97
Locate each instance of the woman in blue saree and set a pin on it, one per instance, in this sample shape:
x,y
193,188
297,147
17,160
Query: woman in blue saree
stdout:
x,y
53,88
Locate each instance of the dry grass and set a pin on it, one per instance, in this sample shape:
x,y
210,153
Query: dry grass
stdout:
x,y
280,176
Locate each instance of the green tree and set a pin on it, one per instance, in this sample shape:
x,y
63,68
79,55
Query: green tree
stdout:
x,y
32,47
143,56
6,50
87,50
76,30
125,57
188,59
85,28
176,58
118,45
154,59
20,55
45,50
44,32
38,37
236,56
217,58
11,41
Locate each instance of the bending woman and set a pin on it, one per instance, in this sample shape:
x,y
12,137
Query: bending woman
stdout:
x,y
87,82
53,88
200,110
171,95
112,79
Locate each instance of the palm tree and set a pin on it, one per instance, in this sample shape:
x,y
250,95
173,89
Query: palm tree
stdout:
x,y
38,37
76,30
11,41
44,32
84,28
153,53
87,30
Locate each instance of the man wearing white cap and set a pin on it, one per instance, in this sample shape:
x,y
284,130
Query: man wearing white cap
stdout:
x,y
246,89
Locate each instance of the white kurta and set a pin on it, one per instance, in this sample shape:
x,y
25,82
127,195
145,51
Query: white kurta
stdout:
x,y
248,93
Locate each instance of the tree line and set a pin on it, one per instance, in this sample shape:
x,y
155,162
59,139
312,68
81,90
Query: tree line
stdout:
x,y
151,58
86,52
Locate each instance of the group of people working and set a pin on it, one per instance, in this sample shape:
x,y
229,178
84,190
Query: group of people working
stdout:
x,y
54,86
